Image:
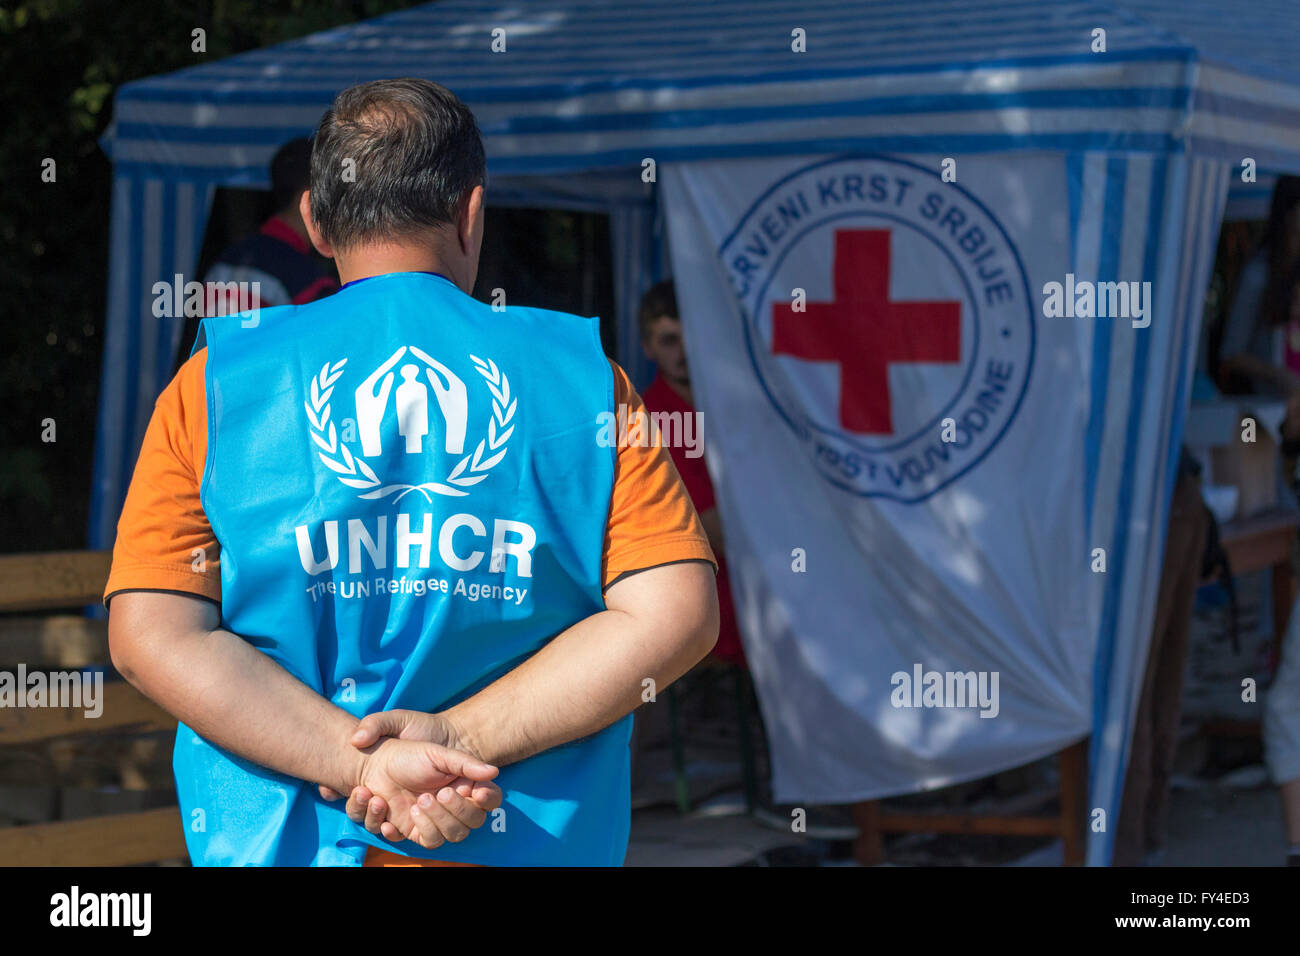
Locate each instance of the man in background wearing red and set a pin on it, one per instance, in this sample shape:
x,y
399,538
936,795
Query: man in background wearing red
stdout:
x,y
661,340
279,256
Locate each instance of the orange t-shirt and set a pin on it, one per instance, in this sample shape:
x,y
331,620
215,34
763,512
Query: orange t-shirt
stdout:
x,y
165,543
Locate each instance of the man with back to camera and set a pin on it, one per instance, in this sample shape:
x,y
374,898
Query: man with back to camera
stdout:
x,y
394,502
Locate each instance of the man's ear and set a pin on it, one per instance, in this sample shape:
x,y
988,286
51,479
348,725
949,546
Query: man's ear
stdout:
x,y
469,229
304,209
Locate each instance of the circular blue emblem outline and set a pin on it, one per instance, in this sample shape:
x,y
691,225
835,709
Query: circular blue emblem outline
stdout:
x,y
747,324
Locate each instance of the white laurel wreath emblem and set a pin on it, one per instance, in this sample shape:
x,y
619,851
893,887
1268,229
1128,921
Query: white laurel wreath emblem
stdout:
x,y
355,473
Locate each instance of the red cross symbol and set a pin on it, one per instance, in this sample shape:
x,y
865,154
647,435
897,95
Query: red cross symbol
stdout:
x,y
864,331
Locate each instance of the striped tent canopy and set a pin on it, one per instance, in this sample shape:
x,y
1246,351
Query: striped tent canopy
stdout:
x,y
590,85
573,96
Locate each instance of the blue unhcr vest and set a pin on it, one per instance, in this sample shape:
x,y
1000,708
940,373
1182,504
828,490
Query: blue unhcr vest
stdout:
x,y
410,501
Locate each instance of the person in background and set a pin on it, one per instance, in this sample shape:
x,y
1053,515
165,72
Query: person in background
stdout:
x,y
1282,735
661,339
1260,350
279,256
1281,725
660,326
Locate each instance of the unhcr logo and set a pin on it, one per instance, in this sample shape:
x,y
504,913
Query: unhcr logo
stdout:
x,y
410,412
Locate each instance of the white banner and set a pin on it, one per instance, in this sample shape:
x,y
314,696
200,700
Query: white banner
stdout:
x,y
897,438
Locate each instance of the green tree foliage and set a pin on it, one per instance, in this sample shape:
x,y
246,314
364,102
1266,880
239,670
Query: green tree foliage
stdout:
x,y
60,63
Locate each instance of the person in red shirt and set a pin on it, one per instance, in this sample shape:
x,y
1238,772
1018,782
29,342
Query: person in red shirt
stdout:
x,y
661,340
278,258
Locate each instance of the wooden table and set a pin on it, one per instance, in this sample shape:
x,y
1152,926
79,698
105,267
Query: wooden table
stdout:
x,y
1262,542
1253,544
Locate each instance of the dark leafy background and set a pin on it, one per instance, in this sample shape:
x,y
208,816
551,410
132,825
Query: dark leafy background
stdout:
x,y
60,63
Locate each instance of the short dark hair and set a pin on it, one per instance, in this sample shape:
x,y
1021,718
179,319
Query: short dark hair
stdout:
x,y
660,300
290,172
416,155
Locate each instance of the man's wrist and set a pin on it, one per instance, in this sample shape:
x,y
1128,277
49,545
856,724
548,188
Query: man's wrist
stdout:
x,y
463,732
351,764
358,765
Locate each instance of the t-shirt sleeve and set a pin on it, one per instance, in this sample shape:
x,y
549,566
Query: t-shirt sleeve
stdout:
x,y
651,518
164,541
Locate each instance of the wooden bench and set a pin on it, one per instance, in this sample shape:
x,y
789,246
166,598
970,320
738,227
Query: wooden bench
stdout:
x,y
73,579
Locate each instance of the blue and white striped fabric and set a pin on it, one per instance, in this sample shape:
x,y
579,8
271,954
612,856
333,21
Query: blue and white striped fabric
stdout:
x,y
1156,218
583,86
156,233
586,91
636,235
987,568
1250,200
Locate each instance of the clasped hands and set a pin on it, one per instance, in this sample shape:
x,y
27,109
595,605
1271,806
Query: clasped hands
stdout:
x,y
418,780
